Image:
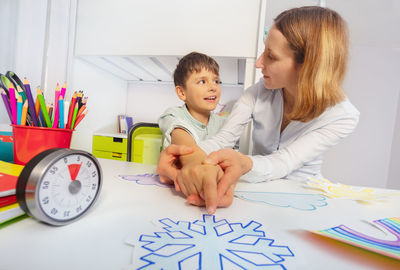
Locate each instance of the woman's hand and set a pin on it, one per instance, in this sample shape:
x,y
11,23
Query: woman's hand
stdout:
x,y
200,180
234,164
167,168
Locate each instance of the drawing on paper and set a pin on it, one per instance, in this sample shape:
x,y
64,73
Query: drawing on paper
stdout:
x,y
389,248
333,190
145,179
211,244
298,201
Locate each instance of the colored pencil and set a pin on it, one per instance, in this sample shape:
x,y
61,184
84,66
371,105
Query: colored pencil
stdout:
x,y
56,101
71,110
80,111
63,89
43,108
74,115
79,99
24,113
49,108
31,104
19,109
13,103
6,104
61,110
21,93
79,119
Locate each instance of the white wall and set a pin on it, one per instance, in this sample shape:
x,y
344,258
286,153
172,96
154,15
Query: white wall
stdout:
x,y
106,99
23,23
394,169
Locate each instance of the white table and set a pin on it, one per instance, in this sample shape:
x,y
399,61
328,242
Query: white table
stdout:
x,y
125,208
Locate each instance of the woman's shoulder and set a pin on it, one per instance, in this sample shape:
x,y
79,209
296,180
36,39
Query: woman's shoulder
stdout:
x,y
343,111
343,108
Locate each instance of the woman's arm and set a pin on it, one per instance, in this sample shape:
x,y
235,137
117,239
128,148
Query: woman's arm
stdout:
x,y
304,149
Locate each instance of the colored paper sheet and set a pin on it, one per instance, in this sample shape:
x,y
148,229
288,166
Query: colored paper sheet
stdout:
x,y
144,179
338,190
10,212
305,202
10,168
8,184
390,248
7,200
209,243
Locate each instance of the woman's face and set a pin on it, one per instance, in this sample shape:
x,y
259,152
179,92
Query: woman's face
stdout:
x,y
277,63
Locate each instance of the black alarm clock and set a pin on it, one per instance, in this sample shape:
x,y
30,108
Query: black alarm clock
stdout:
x,y
59,185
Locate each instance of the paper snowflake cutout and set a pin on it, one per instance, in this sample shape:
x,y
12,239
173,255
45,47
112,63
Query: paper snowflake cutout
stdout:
x,y
145,179
211,244
294,200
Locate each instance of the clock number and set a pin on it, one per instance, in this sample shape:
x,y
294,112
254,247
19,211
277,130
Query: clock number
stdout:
x,y
65,160
89,198
45,185
88,164
94,186
66,213
53,170
94,174
78,158
78,209
54,211
45,200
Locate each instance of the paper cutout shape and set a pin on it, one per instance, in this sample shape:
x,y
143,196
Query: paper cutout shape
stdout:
x,y
307,202
386,247
145,179
343,191
211,244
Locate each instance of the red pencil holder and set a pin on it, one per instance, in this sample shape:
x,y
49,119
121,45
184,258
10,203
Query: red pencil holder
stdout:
x,y
30,141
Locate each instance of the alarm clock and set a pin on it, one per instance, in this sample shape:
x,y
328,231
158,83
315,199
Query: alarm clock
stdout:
x,y
59,185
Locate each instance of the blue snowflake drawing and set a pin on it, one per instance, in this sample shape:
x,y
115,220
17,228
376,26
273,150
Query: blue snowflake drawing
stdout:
x,y
294,200
211,244
145,179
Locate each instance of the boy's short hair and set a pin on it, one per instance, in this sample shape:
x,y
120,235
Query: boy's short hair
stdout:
x,y
193,62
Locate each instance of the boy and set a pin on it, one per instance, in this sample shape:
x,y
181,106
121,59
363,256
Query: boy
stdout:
x,y
196,80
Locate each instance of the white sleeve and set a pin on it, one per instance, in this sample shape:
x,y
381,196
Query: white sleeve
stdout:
x,y
304,149
237,120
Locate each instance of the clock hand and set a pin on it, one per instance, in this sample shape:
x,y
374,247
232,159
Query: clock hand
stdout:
x,y
74,170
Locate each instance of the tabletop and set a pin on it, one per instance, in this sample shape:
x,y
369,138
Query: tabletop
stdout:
x,y
138,224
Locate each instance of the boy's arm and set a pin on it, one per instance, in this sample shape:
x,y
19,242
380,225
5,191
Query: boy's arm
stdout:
x,y
196,178
180,136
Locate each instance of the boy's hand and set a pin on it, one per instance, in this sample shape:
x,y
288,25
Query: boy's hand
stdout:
x,y
166,168
225,200
201,180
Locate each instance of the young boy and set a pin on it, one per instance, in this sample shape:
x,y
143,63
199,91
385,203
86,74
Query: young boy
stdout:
x,y
196,79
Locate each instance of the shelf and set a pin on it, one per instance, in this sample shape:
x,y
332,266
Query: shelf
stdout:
x,y
160,68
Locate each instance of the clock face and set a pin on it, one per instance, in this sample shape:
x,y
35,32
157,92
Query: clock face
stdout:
x,y
68,187
59,185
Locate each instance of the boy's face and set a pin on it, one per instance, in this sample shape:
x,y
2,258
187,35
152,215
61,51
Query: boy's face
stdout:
x,y
201,92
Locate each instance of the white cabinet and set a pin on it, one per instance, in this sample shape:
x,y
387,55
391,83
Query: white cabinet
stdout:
x,y
174,27
143,40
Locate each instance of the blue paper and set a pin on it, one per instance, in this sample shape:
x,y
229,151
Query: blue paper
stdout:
x,y
294,200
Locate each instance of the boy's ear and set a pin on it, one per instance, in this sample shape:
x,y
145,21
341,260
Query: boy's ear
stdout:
x,y
180,91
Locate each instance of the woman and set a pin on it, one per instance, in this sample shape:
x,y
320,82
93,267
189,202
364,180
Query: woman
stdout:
x,y
298,108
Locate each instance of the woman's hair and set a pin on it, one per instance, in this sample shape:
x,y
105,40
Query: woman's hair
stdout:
x,y
319,38
193,62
